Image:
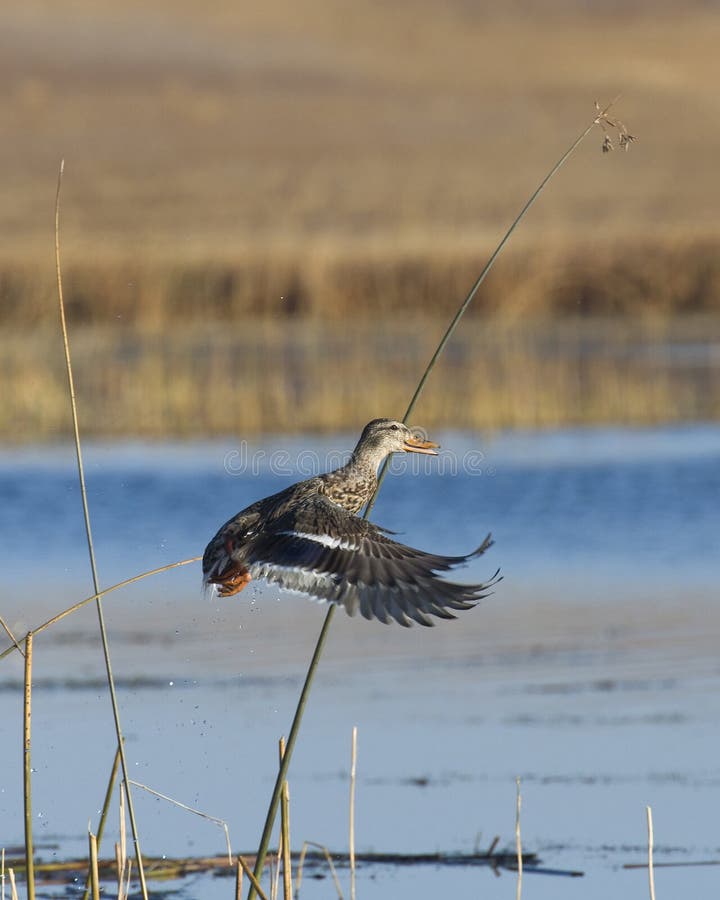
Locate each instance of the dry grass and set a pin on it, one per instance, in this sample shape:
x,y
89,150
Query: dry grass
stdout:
x,y
640,278
306,375
244,180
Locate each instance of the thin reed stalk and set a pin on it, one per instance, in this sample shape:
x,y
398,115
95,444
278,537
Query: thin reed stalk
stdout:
x,y
330,863
598,120
2,874
651,841
89,539
16,645
301,863
275,875
292,737
27,771
353,769
124,865
126,887
94,875
97,595
104,813
285,832
238,881
123,840
214,819
13,888
253,880
518,841
307,685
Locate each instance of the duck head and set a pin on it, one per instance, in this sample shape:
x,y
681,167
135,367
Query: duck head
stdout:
x,y
384,436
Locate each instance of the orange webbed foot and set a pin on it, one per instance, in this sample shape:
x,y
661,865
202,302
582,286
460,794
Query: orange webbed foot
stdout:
x,y
233,582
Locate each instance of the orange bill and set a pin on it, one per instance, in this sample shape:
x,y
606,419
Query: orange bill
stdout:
x,y
415,445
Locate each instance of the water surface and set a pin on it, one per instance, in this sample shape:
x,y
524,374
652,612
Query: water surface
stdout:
x,y
592,672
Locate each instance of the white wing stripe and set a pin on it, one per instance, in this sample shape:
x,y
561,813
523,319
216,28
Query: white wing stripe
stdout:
x,y
326,540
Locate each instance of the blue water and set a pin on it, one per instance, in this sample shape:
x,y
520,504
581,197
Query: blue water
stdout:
x,y
592,672
631,504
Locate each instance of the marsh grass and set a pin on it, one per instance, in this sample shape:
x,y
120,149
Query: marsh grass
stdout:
x,y
557,276
272,377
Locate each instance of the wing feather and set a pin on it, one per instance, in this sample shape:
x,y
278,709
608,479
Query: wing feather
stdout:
x,y
326,552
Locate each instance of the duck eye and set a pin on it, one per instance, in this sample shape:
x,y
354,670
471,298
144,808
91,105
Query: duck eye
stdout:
x,y
394,428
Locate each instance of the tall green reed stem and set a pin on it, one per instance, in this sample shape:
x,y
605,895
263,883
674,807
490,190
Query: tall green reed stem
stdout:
x,y
103,817
275,799
90,546
272,810
285,762
482,276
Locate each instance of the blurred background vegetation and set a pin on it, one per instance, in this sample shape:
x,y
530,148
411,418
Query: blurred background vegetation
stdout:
x,y
270,210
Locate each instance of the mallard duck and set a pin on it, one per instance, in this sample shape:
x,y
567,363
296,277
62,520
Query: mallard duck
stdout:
x,y
308,539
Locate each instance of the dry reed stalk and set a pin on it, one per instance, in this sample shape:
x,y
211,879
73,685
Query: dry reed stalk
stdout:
x,y
27,770
120,863
518,840
2,874
285,833
94,876
126,889
301,863
98,594
353,768
330,863
253,880
189,809
89,538
238,881
13,888
123,823
599,119
121,853
651,873
8,632
124,865
275,875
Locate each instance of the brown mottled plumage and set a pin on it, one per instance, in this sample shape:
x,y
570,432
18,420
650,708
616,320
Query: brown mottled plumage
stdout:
x,y
307,538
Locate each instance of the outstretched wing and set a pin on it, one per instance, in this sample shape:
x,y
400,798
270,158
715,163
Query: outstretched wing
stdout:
x,y
322,550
